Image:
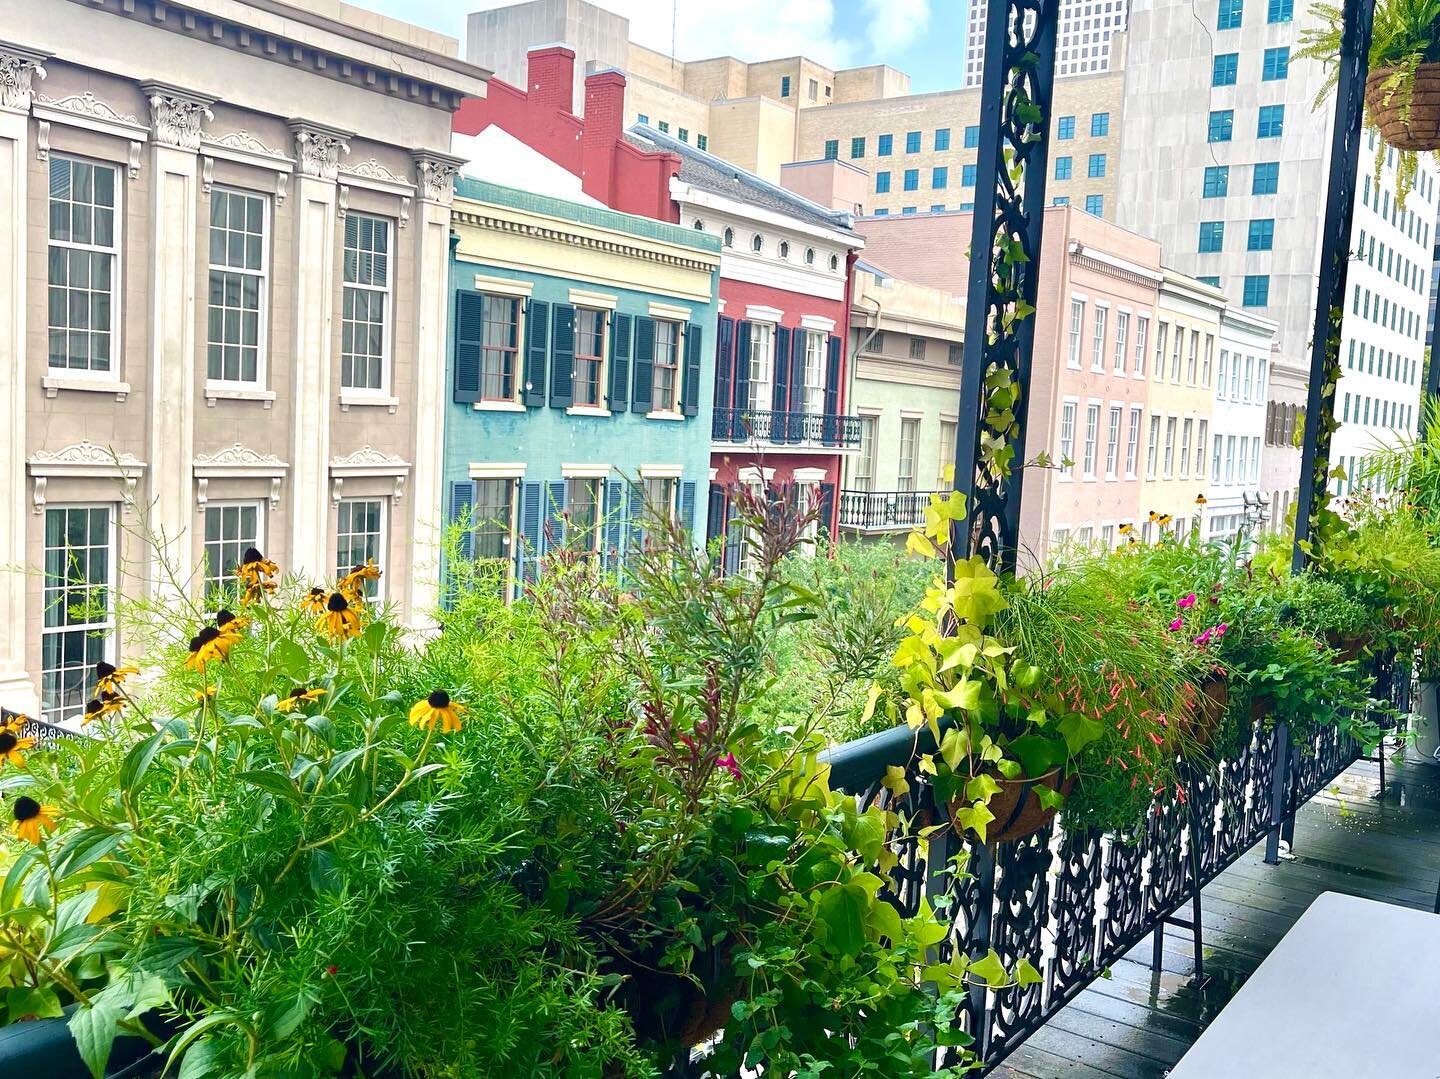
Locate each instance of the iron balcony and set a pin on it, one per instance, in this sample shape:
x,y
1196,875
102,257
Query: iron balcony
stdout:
x,y
743,425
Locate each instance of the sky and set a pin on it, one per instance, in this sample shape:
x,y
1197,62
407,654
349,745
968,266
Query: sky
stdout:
x,y
924,38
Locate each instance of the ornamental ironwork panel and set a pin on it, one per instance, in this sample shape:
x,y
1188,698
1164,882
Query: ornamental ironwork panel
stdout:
x,y
785,428
1021,906
1167,842
1125,909
1077,888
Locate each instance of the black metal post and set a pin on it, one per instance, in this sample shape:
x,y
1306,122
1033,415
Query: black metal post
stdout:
x,y
982,867
1325,367
1279,786
1015,95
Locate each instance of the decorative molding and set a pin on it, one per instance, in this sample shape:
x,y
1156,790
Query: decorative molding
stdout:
x,y
560,235
82,460
318,148
376,176
282,182
237,462
245,149
404,211
87,104
342,201
18,68
368,461
176,114
436,173
42,141
207,173
87,111
134,163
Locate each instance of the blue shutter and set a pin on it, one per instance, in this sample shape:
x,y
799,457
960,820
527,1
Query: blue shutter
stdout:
x,y
725,363
537,334
827,510
468,333
555,536
637,516
462,497
742,364
715,519
619,362
831,425
780,400
530,535
562,357
644,360
614,554
690,388
687,509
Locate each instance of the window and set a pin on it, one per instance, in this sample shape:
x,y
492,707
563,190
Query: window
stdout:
x,y
1217,181
684,134
857,147
1230,459
1122,331
947,451
666,367
912,142
728,237
1175,356
589,373
809,256
1222,125
642,118
862,477
784,249
972,136
1160,338
1060,200
885,145
813,90
939,177
1186,430
909,444
84,252
967,175
1099,124
917,348
1235,377
1097,348
1246,383
942,138
1132,445
1262,234
784,85
814,374
762,355
1066,128
1201,443
1257,290
582,513
360,538
494,515
365,303
1215,460
1212,236
1096,169
1067,438
1209,279
1276,65
1272,122
938,208
499,347
1152,446
237,286
1230,14
229,530
1092,435
1266,178
1077,327
78,612
1224,69
1224,370
1095,204
1063,167
1112,443
882,183
954,354
1190,363
908,210
757,243
1280,11
1241,468
702,141
832,149
665,126
1170,425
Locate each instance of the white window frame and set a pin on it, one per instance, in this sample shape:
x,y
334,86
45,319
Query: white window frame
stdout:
x,y
908,459
1187,434
1069,410
862,471
949,425
603,367
597,484
677,383
1097,346
517,375
814,372
1092,439
1132,446
1202,444
1112,442
1162,339
387,293
1142,342
223,576
89,374
381,536
1172,426
1122,340
512,476
89,629
762,363
1222,374
262,357
1077,331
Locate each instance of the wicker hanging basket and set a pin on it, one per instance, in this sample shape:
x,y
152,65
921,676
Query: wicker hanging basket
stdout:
x,y
1017,808
1406,122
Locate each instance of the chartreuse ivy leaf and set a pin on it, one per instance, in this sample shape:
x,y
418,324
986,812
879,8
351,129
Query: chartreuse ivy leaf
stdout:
x,y
965,695
990,970
1026,974
842,909
1079,731
975,818
895,781
1048,797
980,788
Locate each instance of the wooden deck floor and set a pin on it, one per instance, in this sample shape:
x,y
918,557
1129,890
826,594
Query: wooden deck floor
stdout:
x,y
1136,1025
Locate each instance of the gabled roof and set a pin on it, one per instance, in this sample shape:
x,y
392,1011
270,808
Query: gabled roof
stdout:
x,y
710,173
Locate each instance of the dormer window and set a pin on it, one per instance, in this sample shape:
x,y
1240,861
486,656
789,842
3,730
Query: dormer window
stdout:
x,y
757,243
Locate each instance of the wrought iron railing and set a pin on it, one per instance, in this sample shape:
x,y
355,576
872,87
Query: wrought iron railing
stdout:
x,y
41,730
785,428
882,511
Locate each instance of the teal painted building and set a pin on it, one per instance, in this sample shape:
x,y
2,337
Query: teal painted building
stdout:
x,y
580,375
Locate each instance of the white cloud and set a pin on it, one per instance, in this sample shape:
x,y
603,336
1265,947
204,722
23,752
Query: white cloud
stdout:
x,y
895,25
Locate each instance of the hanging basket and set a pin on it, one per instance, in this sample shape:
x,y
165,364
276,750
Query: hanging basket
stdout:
x,y
1017,808
1351,646
1406,122
1204,719
1261,705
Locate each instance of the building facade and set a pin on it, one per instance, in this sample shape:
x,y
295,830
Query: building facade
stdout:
x,y
221,272
1242,413
580,369
905,349
1083,41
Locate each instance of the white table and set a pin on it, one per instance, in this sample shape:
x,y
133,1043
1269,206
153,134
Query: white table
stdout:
x,y
1351,992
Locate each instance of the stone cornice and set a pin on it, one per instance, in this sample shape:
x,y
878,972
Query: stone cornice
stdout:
x,y
1094,265
555,233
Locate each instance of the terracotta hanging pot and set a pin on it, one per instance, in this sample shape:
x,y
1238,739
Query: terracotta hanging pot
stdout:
x,y
1207,715
1406,121
1017,808
1351,646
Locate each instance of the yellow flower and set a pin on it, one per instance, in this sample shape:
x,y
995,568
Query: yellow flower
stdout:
x,y
31,818
1165,519
204,694
437,708
353,583
1126,529
1200,500
231,627
340,621
296,697
110,677
205,647
1153,515
102,705
313,601
255,572
12,746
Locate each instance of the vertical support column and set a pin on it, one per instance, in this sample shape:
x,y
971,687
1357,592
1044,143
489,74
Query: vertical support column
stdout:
x,y
1015,97
176,116
1432,376
317,152
1325,369
435,173
18,69
1279,786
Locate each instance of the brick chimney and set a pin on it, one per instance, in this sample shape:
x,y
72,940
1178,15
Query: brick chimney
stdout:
x,y
604,125
551,77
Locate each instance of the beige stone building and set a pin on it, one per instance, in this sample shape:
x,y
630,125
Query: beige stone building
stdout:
x,y
223,249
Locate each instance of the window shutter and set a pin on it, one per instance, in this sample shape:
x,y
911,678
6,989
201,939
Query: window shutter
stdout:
x,y
562,357
725,363
780,401
715,519
644,360
555,534
468,333
798,340
637,516
827,510
537,334
687,508
462,497
690,389
619,361
742,365
530,534
830,425
614,555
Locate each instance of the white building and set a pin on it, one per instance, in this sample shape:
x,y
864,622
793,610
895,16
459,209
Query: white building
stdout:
x,y
1083,43
1235,497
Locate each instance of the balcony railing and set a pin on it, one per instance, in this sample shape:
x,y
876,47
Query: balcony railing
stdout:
x,y
882,511
786,428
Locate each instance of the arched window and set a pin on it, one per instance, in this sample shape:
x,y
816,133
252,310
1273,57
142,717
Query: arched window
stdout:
x,y
809,256
757,243
699,225
729,239
784,249
834,263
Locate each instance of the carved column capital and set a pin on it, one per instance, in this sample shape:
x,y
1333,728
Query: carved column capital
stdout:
x,y
18,68
435,173
176,114
318,148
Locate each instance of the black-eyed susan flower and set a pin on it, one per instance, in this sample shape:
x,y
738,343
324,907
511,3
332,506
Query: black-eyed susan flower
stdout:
x,y
256,573
1200,499
12,746
230,625
296,697
1164,519
437,708
1126,529
102,705
353,583
109,678
313,601
340,621
1154,516
204,694
205,647
32,818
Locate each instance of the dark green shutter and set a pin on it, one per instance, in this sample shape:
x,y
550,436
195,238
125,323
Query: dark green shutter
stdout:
x,y
562,357
690,391
462,497
468,333
537,335
619,362
644,364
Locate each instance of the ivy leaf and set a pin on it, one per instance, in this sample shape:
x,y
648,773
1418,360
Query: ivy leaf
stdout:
x,y
842,910
895,781
1079,731
975,819
885,921
1026,974
990,970
981,788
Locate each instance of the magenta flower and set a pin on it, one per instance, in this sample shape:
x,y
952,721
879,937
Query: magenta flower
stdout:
x,y
1204,638
730,764
1175,625
1185,602
1221,628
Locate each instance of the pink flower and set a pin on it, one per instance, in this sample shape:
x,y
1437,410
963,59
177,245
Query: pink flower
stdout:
x,y
1204,638
1221,628
1175,625
730,764
1186,601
